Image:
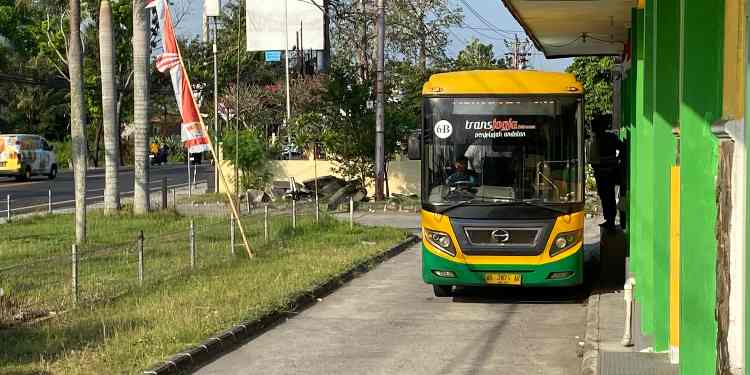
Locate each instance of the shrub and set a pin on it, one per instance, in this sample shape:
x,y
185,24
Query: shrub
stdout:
x,y
63,153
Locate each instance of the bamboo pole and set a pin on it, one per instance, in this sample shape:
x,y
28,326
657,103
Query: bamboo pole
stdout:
x,y
232,204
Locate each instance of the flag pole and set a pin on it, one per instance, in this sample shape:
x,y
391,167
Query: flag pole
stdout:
x,y
232,204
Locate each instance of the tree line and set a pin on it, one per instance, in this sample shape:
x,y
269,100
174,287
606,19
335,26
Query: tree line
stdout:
x,y
80,72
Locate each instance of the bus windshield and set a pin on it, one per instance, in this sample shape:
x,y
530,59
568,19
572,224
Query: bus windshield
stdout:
x,y
502,149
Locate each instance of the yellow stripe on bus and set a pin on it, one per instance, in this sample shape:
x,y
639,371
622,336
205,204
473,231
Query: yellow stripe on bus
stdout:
x,y
563,224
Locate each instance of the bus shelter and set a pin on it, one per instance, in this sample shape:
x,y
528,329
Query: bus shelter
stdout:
x,y
680,104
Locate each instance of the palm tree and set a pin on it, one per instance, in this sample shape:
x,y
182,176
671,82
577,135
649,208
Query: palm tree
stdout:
x,y
141,52
77,120
109,109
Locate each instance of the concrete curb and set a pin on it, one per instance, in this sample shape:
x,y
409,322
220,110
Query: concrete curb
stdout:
x,y
590,363
232,338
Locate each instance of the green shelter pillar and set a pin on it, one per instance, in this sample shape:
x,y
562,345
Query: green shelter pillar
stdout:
x,y
641,239
666,104
701,105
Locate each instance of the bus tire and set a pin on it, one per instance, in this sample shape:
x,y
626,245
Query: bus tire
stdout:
x,y
442,290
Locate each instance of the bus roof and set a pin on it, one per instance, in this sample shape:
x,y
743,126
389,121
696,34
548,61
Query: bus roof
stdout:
x,y
513,82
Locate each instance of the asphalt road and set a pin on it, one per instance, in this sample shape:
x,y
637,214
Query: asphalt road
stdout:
x,y
29,196
389,322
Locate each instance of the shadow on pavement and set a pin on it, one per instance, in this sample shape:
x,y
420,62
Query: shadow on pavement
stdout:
x,y
511,295
514,295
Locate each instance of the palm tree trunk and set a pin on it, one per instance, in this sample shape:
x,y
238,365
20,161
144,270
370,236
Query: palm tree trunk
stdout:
x,y
141,52
109,110
77,118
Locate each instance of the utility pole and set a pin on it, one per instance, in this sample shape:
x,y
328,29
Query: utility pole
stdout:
x,y
519,52
216,105
212,11
286,72
363,47
380,111
324,56
237,124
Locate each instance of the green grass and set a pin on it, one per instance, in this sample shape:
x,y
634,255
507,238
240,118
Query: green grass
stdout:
x,y
176,308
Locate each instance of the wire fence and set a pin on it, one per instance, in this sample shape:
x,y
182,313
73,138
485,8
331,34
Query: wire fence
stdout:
x,y
14,205
97,273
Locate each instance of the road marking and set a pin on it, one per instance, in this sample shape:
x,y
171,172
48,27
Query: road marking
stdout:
x,y
156,189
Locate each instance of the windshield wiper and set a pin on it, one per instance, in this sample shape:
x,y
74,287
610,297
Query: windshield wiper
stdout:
x,y
505,202
456,205
534,204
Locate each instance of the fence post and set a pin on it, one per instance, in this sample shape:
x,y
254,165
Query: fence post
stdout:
x,y
7,199
49,201
351,212
317,207
192,244
140,258
163,193
74,277
174,198
249,204
294,214
265,222
231,234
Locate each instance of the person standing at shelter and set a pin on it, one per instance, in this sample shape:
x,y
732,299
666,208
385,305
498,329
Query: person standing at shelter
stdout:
x,y
606,148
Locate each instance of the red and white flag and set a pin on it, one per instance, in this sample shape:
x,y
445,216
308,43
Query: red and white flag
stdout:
x,y
193,134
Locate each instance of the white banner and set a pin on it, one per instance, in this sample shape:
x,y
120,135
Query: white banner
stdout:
x,y
212,8
265,24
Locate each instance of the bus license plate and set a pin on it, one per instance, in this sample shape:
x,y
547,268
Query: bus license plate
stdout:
x,y
502,278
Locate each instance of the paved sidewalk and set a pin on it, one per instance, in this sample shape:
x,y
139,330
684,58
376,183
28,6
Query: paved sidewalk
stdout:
x,y
388,322
616,359
606,327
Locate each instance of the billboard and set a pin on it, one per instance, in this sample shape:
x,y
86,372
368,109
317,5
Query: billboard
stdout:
x,y
265,24
212,8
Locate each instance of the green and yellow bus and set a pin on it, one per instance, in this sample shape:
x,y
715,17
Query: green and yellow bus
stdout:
x,y
502,179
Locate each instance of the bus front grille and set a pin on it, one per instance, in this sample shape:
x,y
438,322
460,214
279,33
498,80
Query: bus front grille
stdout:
x,y
521,238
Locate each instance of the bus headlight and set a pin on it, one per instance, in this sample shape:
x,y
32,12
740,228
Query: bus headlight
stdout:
x,y
565,241
441,241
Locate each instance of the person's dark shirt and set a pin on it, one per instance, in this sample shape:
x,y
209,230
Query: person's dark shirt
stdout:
x,y
609,145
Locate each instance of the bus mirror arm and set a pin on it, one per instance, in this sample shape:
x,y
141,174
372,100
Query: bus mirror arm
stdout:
x,y
540,176
414,146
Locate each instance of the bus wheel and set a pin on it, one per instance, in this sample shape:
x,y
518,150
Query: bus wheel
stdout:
x,y
442,290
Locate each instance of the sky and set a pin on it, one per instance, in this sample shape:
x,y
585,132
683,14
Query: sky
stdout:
x,y
474,27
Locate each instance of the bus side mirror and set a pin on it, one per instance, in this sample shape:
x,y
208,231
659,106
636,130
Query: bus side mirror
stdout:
x,y
415,146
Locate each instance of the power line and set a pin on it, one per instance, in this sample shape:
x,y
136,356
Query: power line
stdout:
x,y
484,35
484,20
564,44
470,27
463,40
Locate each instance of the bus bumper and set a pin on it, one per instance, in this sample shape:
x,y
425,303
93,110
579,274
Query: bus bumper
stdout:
x,y
531,275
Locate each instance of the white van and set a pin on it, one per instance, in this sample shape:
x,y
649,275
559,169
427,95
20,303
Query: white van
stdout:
x,y
23,156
